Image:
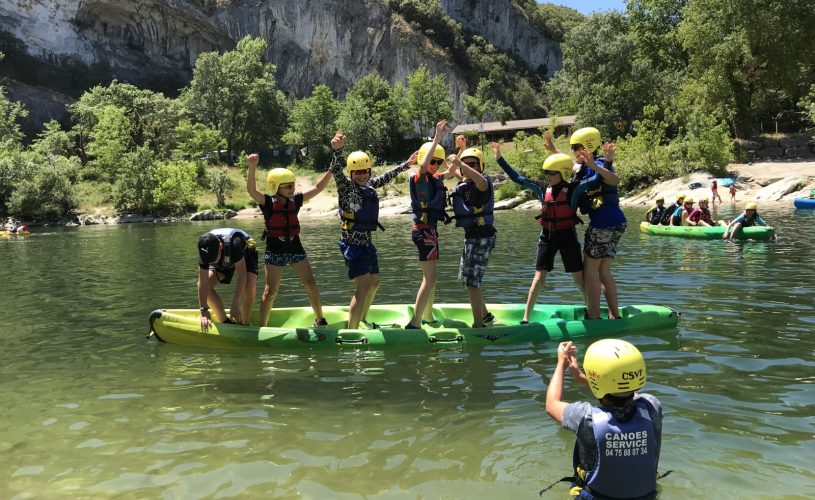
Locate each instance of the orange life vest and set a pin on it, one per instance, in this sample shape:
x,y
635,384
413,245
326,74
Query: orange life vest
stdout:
x,y
556,214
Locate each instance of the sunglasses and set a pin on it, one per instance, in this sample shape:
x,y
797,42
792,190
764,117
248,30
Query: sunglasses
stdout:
x,y
435,161
362,172
550,172
472,164
286,186
576,147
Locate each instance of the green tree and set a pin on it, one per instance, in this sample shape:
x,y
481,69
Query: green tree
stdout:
x,y
366,130
137,181
388,103
235,93
146,119
807,103
195,140
427,99
44,186
176,187
751,58
313,121
10,113
482,105
221,185
109,140
52,140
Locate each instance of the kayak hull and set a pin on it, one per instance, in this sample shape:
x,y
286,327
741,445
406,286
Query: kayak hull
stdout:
x,y
804,203
759,233
8,234
289,327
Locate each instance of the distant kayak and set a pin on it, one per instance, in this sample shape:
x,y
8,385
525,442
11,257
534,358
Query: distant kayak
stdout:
x,y
291,327
759,233
726,181
804,202
16,234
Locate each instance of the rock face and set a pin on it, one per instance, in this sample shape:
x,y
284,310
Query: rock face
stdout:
x,y
311,42
501,25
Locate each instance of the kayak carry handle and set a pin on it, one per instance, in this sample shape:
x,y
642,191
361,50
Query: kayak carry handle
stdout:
x,y
361,341
435,340
153,317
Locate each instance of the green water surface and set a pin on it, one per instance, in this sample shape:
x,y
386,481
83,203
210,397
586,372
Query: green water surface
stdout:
x,y
91,409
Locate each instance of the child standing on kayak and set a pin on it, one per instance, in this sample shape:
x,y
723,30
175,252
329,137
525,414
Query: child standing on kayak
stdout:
x,y
282,235
428,199
557,219
359,217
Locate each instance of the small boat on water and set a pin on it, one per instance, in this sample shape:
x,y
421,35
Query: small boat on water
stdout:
x,y
15,234
759,233
291,327
806,203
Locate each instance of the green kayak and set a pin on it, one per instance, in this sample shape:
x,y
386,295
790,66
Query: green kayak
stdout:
x,y
759,233
290,327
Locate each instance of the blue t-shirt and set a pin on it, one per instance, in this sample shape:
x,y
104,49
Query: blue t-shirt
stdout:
x,y
609,214
758,221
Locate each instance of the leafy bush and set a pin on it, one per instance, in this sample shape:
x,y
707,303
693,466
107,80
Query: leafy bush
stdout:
x,y
507,190
43,187
221,185
176,188
136,182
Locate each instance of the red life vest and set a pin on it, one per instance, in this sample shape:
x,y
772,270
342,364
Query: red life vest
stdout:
x,y
700,214
556,214
282,221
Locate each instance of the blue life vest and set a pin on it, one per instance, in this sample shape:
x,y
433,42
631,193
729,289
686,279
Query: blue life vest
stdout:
x,y
626,455
466,215
669,212
428,198
603,203
226,235
365,219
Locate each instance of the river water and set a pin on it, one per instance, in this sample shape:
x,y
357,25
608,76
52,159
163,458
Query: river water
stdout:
x,y
91,409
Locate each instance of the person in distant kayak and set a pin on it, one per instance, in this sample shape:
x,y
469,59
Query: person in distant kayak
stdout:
x,y
701,216
747,218
619,439
681,214
654,214
669,212
557,220
223,253
359,217
282,235
714,191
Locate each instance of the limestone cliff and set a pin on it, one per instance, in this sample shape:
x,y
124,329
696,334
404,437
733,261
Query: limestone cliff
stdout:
x,y
155,42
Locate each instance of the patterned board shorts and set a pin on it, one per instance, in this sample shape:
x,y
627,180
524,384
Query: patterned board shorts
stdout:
x,y
282,259
601,242
474,259
426,240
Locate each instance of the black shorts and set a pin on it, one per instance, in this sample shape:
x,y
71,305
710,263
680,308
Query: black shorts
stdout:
x,y
250,255
426,240
567,244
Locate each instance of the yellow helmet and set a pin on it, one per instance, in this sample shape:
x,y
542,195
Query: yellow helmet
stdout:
x,y
613,366
660,198
589,137
688,199
358,160
751,206
437,153
278,176
679,196
559,162
703,198
475,153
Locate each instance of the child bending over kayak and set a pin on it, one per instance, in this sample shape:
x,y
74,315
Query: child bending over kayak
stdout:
x,y
747,218
282,235
359,217
557,220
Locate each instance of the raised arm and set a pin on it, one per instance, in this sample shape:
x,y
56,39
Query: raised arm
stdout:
x,y
473,174
336,167
251,185
609,177
322,182
441,131
548,144
513,174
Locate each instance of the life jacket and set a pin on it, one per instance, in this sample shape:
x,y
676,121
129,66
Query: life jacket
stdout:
x,y
467,215
747,222
428,198
666,216
676,219
556,213
702,214
602,193
365,219
226,235
282,221
656,215
626,456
